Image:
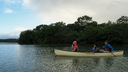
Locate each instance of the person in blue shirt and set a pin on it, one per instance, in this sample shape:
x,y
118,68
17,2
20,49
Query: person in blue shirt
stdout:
x,y
108,47
96,48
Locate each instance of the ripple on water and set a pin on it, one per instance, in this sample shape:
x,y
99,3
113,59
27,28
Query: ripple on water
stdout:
x,y
36,58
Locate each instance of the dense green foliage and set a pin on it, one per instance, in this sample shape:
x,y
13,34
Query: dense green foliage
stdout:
x,y
8,40
84,30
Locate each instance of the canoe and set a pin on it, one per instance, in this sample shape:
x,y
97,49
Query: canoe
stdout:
x,y
70,53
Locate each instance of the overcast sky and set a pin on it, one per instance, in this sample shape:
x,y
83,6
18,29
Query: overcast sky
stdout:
x,y
19,15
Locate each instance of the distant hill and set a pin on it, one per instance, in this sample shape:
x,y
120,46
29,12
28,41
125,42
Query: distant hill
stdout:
x,y
8,40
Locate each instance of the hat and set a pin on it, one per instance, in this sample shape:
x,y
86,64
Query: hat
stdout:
x,y
106,42
96,45
74,42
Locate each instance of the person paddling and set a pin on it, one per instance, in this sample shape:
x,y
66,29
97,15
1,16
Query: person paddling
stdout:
x,y
108,47
75,47
96,48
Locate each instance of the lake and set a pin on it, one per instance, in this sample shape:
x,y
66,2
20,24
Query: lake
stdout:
x,y
41,58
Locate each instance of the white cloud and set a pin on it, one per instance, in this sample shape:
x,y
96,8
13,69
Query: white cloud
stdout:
x,y
26,1
8,35
20,29
17,31
8,11
69,10
14,34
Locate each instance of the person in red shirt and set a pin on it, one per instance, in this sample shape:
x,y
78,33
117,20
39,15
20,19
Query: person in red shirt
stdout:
x,y
75,47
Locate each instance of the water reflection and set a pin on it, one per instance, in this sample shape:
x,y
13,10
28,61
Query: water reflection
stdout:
x,y
108,62
85,64
41,58
75,63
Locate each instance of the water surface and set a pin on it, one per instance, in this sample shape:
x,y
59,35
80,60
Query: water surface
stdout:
x,y
41,58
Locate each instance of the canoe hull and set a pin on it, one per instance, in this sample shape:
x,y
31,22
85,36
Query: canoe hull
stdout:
x,y
69,53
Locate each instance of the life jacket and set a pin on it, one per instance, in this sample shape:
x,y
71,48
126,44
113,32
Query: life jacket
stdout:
x,y
107,49
96,49
75,47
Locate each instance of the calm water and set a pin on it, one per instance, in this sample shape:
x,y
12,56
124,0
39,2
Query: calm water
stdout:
x,y
41,58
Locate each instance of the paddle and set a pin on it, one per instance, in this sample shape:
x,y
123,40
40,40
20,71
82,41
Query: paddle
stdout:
x,y
113,54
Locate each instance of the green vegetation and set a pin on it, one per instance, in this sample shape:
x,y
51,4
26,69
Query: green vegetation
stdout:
x,y
84,30
8,40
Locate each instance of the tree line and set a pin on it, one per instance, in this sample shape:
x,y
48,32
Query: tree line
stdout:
x,y
8,40
84,30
